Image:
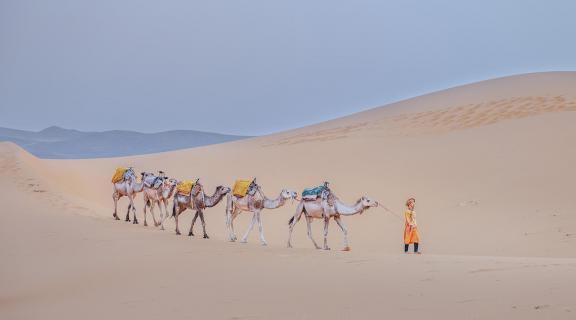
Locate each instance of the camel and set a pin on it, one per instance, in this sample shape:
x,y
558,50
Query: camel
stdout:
x,y
159,196
322,209
236,205
128,187
198,201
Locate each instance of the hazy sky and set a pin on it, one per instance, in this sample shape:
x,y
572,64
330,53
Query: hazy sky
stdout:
x,y
254,67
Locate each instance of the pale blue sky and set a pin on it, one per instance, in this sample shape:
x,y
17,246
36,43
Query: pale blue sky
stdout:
x,y
255,67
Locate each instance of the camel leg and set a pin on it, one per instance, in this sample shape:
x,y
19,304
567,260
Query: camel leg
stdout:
x,y
228,224
166,214
153,214
308,222
145,206
162,217
176,219
115,198
229,228
177,212
128,213
293,222
203,224
161,213
134,213
228,213
252,223
191,232
326,224
131,205
235,214
344,232
261,229
290,229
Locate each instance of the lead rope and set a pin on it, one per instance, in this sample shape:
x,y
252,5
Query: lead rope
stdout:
x,y
391,212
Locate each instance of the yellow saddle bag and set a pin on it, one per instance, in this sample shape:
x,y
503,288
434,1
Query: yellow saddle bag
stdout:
x,y
241,187
119,175
185,187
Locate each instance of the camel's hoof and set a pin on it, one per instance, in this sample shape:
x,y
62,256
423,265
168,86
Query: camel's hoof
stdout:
x,y
177,233
190,234
264,244
116,217
206,236
136,222
145,224
326,248
289,246
127,220
162,228
346,249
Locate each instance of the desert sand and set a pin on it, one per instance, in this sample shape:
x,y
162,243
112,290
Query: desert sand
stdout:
x,y
491,165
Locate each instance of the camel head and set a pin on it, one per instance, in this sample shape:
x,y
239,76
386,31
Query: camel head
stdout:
x,y
170,182
368,203
289,194
145,174
222,190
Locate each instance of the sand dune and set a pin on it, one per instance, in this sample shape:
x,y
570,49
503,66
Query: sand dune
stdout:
x,y
491,166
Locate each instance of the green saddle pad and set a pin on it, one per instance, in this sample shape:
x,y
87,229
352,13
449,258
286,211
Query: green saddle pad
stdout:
x,y
313,191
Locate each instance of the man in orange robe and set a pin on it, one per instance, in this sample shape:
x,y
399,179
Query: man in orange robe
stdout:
x,y
410,226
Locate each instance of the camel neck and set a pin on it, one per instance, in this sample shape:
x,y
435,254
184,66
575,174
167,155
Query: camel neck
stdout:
x,y
346,210
274,203
210,201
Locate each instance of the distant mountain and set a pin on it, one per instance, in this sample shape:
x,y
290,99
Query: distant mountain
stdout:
x,y
59,143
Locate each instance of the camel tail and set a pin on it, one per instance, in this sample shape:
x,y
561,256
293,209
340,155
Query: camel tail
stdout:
x,y
303,210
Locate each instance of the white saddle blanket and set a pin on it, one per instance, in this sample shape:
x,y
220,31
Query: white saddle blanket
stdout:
x,y
153,182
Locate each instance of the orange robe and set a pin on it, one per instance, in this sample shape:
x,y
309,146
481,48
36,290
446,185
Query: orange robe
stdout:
x,y
410,227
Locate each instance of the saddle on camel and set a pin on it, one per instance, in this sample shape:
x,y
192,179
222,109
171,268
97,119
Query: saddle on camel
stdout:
x,y
312,194
244,187
155,181
122,174
185,187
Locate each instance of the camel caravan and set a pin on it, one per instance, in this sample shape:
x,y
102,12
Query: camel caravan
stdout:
x,y
246,196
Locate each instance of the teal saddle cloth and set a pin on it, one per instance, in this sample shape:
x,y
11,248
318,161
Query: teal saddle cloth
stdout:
x,y
313,191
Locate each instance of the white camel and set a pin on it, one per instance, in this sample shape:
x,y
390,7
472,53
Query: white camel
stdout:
x,y
198,201
236,205
128,187
321,209
159,196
